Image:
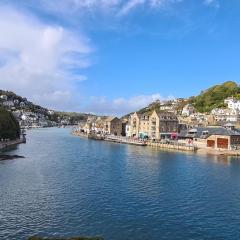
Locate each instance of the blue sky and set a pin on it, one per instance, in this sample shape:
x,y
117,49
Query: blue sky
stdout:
x,y
116,56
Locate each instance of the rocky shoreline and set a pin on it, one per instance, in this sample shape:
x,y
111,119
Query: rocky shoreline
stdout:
x,y
73,238
4,157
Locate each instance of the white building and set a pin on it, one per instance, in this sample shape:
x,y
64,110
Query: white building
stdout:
x,y
188,110
232,103
22,104
128,130
226,115
4,97
8,104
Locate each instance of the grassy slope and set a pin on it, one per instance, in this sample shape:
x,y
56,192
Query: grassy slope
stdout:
x,y
214,97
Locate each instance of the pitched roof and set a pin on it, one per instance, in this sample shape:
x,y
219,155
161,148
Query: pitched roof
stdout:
x,y
207,132
110,118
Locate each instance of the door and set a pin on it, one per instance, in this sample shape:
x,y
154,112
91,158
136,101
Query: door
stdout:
x,y
211,143
222,143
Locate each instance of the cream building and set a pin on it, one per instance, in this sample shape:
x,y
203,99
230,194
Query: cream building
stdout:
x,y
154,125
113,126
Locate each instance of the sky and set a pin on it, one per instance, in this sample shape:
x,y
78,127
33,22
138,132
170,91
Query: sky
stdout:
x,y
116,56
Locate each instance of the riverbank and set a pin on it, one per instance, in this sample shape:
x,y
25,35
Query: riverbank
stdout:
x,y
73,238
172,145
131,141
218,152
7,144
9,157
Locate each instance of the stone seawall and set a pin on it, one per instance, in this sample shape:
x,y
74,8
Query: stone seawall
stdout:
x,y
172,146
4,145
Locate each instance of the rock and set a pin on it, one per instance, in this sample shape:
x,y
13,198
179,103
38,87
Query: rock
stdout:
x,y
73,238
9,157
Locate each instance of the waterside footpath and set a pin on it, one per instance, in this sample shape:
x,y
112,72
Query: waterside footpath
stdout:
x,y
172,145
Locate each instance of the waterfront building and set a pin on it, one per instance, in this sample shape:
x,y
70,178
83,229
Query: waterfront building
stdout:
x,y
226,137
113,126
134,123
102,125
128,129
154,125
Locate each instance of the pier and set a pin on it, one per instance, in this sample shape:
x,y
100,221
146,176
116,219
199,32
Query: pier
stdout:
x,y
125,140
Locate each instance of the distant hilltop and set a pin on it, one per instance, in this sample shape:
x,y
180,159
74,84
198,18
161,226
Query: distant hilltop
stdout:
x,y
205,102
32,115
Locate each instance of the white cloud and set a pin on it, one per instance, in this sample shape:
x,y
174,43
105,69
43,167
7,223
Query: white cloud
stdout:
x,y
91,7
37,59
121,106
130,5
213,3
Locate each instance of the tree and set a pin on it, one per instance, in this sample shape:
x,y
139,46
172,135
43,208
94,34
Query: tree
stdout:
x,y
9,126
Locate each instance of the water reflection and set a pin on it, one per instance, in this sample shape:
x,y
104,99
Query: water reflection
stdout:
x,y
70,186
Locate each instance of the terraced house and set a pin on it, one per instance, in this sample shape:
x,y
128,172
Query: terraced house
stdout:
x,y
154,125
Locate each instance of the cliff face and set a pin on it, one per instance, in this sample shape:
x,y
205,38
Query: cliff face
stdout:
x,y
9,127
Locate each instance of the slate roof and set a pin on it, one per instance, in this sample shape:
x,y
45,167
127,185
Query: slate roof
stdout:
x,y
204,133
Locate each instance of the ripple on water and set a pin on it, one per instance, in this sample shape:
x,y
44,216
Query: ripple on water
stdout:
x,y
71,186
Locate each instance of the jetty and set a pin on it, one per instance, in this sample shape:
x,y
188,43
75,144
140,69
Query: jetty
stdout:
x,y
125,140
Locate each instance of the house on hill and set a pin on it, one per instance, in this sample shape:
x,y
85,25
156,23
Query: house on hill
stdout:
x,y
232,103
188,110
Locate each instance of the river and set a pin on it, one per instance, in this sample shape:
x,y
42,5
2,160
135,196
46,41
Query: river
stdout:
x,y
69,186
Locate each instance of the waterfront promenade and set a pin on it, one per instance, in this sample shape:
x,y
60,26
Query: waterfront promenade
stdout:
x,y
171,145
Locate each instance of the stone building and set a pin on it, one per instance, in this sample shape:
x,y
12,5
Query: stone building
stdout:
x,y
226,137
154,125
163,125
134,124
113,126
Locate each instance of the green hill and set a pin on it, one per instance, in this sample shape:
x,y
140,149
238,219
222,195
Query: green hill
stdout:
x,y
214,97
9,127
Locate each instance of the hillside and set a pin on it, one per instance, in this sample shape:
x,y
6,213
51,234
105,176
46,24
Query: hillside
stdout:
x,y
206,101
9,127
214,97
20,106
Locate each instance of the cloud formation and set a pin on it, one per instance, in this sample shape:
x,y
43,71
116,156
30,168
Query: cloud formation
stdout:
x,y
213,3
112,7
122,106
44,61
38,60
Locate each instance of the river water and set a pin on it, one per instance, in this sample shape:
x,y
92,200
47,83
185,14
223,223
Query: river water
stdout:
x,y
68,186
